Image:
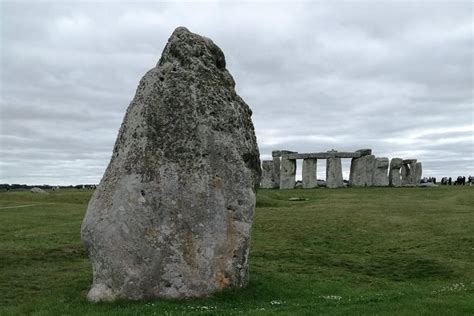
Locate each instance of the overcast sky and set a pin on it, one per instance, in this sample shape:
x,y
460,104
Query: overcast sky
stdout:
x,y
396,77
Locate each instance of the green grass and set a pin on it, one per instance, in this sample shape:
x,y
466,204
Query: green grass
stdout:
x,y
384,251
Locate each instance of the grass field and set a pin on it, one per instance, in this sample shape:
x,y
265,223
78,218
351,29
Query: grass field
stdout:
x,y
384,251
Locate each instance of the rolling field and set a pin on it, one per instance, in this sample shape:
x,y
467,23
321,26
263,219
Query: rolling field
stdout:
x,y
384,251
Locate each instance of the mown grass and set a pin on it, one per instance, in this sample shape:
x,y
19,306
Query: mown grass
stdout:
x,y
385,251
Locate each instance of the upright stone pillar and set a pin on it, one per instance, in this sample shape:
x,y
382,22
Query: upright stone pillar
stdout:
x,y
267,174
172,215
394,178
418,172
362,169
405,173
380,178
287,172
408,172
309,173
276,168
334,173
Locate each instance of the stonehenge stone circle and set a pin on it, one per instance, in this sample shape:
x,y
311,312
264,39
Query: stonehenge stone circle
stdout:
x,y
267,174
380,178
362,169
394,177
173,212
334,173
309,173
288,172
366,169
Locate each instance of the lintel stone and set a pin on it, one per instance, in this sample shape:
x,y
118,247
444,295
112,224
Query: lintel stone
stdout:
x,y
365,151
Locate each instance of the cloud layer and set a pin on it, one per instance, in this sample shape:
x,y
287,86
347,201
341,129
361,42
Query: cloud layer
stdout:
x,y
394,77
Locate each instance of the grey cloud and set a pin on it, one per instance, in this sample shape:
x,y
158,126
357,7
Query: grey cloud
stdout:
x,y
396,77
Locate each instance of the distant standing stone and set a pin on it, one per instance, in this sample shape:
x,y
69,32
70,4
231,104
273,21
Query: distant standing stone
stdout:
x,y
362,169
334,173
173,212
408,172
287,173
309,171
276,169
38,190
418,172
394,177
380,178
267,174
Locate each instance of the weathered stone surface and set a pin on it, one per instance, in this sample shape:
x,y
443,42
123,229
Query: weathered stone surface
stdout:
x,y
309,173
173,212
267,174
394,177
334,173
362,171
365,151
321,183
276,172
380,177
396,163
418,172
405,173
38,190
279,153
408,172
287,173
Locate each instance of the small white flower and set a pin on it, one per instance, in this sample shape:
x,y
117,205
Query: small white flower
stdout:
x,y
456,287
331,297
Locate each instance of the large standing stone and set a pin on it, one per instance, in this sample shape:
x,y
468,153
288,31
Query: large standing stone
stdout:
x,y
380,177
394,172
362,169
287,172
334,173
173,212
418,172
267,174
309,173
408,172
276,168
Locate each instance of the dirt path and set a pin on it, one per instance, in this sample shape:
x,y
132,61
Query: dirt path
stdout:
x,y
19,206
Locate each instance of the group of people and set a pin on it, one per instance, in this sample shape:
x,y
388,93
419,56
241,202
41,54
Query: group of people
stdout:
x,y
430,179
461,180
